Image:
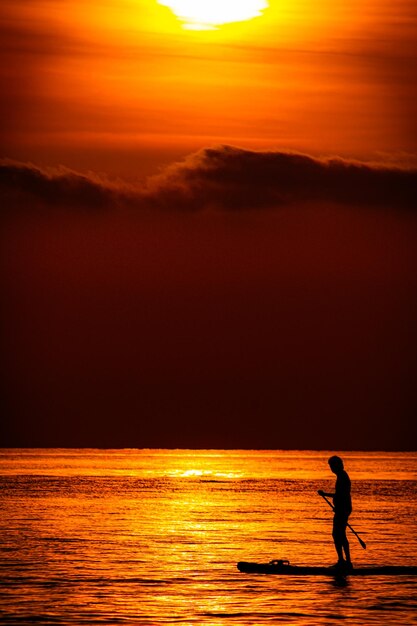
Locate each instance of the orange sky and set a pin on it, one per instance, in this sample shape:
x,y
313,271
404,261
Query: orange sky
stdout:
x,y
85,82
248,296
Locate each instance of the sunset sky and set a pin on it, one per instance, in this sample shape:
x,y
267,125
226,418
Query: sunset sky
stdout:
x,y
209,223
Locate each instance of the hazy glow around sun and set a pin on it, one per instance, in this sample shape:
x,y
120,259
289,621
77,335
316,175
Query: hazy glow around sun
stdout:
x,y
210,14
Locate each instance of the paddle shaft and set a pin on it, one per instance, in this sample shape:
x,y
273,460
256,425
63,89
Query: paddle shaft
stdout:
x,y
363,544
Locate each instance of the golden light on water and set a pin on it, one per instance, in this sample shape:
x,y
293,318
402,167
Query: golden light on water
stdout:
x,y
210,14
153,536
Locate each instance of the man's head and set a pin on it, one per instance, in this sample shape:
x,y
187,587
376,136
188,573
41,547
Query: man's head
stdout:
x,y
336,464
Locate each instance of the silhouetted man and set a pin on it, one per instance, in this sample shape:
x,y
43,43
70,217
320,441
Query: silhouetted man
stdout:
x,y
342,509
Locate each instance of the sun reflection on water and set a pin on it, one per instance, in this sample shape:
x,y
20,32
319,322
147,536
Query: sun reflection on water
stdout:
x,y
153,537
199,473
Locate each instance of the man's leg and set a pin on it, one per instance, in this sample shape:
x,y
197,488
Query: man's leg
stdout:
x,y
346,547
338,538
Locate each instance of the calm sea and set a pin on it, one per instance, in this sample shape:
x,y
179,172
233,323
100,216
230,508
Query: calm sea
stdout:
x,y
153,537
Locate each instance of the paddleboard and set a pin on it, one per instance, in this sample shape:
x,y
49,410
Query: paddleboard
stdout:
x,y
285,569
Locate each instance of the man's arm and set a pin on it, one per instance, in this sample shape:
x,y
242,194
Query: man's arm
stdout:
x,y
325,493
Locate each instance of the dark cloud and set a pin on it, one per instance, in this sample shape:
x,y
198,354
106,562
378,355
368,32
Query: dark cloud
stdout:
x,y
226,178
27,186
281,328
232,178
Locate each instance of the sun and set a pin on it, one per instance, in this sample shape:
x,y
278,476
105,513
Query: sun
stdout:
x,y
211,14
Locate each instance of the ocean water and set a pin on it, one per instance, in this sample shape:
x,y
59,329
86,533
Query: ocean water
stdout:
x,y
153,537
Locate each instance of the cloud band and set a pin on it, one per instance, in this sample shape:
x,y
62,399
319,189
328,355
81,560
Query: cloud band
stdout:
x,y
224,177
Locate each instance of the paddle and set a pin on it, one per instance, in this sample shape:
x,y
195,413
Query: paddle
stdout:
x,y
363,544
